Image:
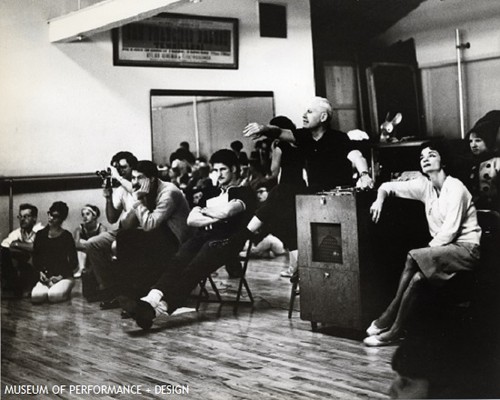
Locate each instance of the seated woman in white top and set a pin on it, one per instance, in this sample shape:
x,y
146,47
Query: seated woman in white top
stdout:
x,y
454,247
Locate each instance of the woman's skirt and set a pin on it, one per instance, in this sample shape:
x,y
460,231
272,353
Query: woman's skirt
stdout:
x,y
441,263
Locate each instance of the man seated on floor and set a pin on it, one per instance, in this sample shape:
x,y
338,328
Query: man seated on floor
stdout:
x,y
156,228
18,273
211,247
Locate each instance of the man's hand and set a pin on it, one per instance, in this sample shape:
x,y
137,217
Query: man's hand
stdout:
x,y
107,192
143,191
254,130
55,279
364,182
376,210
43,277
115,175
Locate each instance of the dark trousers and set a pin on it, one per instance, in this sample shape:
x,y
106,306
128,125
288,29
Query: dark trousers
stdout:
x,y
141,259
17,273
278,213
198,257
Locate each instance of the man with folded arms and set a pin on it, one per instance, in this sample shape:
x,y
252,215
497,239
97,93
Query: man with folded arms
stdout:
x,y
214,244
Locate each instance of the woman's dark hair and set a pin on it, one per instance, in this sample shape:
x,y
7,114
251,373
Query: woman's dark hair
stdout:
x,y
61,208
441,147
487,128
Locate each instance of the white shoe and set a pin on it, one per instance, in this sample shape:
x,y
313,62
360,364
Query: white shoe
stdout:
x,y
287,273
375,330
183,310
376,341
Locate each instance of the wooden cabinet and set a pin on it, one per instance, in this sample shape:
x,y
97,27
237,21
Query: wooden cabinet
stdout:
x,y
338,272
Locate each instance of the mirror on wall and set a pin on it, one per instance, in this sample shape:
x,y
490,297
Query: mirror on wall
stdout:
x,y
207,120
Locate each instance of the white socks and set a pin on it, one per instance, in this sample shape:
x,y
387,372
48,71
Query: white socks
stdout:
x,y
293,260
153,297
161,308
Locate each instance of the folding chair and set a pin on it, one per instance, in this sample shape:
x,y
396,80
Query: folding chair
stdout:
x,y
294,280
204,296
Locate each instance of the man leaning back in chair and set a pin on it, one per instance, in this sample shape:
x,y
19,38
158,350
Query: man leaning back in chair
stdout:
x,y
214,244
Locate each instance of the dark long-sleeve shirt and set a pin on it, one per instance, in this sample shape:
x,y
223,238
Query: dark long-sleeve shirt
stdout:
x,y
55,256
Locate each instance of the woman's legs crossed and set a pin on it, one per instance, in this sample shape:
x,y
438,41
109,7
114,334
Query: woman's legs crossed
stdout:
x,y
389,315
39,294
406,306
61,291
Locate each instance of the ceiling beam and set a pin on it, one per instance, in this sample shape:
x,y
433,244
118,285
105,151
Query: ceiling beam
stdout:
x,y
104,16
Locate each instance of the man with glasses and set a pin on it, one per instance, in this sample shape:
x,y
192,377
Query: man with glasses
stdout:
x,y
18,274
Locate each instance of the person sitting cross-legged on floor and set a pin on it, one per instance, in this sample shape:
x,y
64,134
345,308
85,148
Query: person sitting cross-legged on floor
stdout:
x,y
54,255
17,271
211,247
90,227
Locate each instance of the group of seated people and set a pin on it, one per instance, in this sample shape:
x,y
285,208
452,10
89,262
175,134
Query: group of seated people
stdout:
x,y
164,245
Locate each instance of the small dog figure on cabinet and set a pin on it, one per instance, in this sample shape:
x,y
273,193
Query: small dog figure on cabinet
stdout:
x,y
388,128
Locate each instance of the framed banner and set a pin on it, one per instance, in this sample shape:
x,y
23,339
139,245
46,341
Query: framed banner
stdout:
x,y
179,41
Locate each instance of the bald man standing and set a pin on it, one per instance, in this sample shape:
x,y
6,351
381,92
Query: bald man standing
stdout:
x,y
330,154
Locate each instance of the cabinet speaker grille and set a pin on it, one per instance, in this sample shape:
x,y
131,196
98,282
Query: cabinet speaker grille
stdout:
x,y
326,243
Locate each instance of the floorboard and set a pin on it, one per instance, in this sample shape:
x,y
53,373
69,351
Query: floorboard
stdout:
x,y
255,353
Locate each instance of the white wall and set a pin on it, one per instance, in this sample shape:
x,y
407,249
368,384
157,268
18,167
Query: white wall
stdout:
x,y
66,108
432,25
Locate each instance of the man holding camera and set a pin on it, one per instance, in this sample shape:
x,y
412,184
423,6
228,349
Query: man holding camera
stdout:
x,y
118,206
120,202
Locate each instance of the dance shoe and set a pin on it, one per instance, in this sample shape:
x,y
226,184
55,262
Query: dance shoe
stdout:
x,y
377,341
375,330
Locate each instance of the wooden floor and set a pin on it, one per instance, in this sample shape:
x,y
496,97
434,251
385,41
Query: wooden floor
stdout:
x,y
257,353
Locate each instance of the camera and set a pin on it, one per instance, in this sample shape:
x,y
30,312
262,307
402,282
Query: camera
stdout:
x,y
105,175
